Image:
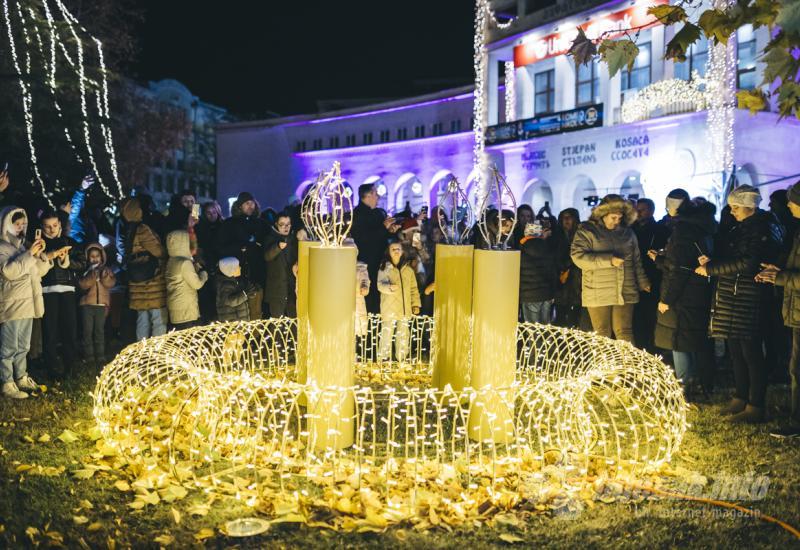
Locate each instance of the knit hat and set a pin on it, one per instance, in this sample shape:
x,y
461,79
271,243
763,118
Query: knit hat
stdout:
x,y
244,196
793,194
227,266
745,195
409,223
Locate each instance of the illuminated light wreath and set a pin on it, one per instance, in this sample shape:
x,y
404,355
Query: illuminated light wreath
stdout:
x,y
218,406
675,93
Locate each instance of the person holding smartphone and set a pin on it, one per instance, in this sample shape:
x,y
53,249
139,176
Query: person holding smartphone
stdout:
x,y
21,271
539,246
280,254
606,250
60,319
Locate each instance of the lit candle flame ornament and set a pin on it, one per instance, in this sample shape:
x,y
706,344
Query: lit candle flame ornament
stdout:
x,y
329,208
498,196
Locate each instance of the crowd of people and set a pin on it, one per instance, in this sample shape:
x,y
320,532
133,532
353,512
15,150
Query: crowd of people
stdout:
x,y
700,292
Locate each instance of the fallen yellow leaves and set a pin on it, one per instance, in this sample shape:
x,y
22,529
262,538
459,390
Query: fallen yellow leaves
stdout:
x,y
68,436
204,534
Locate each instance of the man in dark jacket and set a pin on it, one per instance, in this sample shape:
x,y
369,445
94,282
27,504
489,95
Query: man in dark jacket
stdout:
x,y
60,303
651,235
241,236
539,258
371,230
788,278
280,254
207,231
738,300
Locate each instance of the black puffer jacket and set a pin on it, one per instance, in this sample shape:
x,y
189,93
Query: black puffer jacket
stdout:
x,y
539,263
740,252
242,237
232,299
65,275
684,326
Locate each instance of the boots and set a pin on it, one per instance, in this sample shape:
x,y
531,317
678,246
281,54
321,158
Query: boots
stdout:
x,y
735,406
750,415
11,390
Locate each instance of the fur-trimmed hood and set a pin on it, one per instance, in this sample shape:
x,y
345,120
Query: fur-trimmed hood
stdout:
x,y
614,204
6,234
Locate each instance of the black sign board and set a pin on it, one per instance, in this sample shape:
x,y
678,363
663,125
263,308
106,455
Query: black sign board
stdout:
x,y
589,116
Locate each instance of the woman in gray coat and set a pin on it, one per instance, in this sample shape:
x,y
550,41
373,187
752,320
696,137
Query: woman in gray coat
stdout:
x,y
606,250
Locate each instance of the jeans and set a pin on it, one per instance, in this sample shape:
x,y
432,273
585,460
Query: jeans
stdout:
x,y
794,374
613,320
151,322
60,324
749,371
685,365
94,337
538,312
15,339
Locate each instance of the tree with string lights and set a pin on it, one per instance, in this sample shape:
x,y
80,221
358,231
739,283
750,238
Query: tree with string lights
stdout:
x,y
65,110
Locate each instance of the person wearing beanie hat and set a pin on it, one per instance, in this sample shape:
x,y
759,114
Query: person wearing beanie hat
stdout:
x,y
788,278
745,196
739,302
606,250
233,291
242,236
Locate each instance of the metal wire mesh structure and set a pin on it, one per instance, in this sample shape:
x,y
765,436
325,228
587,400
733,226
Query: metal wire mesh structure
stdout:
x,y
326,209
220,401
455,204
498,198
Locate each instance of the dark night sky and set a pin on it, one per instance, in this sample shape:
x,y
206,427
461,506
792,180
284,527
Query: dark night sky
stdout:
x,y
257,56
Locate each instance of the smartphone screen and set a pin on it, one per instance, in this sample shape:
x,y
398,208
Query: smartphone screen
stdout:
x,y
38,234
196,211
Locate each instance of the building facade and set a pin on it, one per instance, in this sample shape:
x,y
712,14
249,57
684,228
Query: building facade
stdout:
x,y
192,166
561,136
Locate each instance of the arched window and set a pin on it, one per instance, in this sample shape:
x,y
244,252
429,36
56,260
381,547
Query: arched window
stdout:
x,y
536,193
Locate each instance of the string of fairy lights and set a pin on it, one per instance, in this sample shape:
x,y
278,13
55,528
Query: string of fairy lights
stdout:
x,y
484,15
721,87
66,45
665,95
510,91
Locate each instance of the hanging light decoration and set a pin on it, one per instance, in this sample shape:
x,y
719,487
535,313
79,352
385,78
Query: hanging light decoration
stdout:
x,y
721,92
67,40
511,91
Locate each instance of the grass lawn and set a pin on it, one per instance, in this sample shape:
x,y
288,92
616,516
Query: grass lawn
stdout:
x,y
43,504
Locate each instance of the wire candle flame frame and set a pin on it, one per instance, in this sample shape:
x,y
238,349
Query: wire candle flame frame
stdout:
x,y
327,208
497,189
454,201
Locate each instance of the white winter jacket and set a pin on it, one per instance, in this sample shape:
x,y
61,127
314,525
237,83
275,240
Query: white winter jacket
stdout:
x,y
399,292
183,280
20,273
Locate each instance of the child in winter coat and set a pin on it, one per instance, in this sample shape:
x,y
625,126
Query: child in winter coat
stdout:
x,y
96,282
233,291
397,284
184,279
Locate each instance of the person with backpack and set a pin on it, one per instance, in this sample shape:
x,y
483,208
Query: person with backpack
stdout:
x,y
144,265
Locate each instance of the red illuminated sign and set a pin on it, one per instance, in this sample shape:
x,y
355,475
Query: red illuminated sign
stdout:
x,y
613,24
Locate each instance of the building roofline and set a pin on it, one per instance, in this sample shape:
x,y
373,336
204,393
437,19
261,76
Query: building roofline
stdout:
x,y
364,110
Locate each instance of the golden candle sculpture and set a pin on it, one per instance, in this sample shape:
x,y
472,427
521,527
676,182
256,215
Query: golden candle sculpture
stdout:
x,y
331,316
495,306
452,307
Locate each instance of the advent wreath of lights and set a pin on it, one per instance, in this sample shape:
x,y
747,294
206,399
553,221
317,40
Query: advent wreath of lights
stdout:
x,y
217,407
